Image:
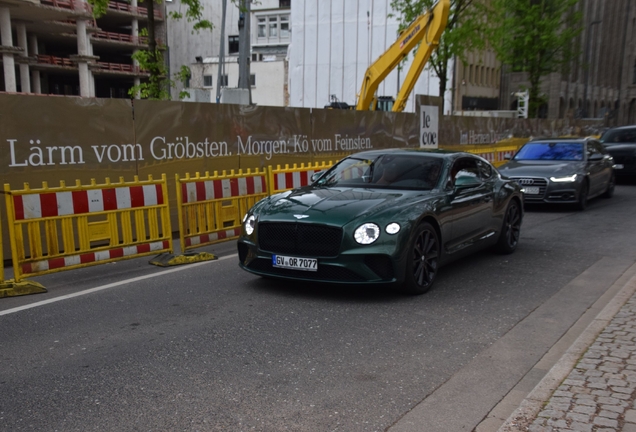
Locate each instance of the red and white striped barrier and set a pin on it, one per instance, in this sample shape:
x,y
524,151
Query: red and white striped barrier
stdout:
x,y
208,190
42,205
212,237
292,180
93,257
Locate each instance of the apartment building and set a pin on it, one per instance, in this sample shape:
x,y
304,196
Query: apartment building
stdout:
x,y
59,47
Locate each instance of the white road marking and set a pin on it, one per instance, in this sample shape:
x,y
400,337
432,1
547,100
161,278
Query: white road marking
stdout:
x,y
111,285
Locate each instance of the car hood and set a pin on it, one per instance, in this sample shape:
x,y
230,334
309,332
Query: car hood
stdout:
x,y
622,148
335,206
540,168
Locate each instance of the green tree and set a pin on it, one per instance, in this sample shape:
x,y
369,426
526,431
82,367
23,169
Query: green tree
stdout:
x,y
151,60
536,37
463,32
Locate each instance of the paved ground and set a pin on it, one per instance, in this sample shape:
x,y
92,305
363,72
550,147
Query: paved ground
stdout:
x,y
593,386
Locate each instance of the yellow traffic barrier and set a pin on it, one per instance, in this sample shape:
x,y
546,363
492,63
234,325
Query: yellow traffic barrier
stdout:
x,y
11,288
211,207
280,179
61,228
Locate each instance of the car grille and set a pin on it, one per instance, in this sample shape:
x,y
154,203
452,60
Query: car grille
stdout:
x,y
324,272
539,182
299,239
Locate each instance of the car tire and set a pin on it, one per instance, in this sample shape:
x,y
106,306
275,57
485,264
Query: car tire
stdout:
x,y
510,229
609,192
583,194
422,260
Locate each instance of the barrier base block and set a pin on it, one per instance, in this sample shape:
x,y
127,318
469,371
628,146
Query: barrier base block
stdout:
x,y
11,288
167,259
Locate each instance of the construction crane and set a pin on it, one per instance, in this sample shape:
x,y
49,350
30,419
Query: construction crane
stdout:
x,y
427,29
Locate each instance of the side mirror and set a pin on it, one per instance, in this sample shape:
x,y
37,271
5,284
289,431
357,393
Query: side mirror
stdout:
x,y
316,176
464,182
507,157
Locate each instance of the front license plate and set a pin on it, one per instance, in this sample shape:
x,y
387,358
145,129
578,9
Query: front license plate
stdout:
x,y
306,264
531,190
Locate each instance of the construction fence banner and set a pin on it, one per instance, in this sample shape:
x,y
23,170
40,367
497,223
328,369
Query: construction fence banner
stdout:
x,y
211,207
61,228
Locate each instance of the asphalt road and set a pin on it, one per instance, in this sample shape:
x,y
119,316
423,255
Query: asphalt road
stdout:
x,y
208,347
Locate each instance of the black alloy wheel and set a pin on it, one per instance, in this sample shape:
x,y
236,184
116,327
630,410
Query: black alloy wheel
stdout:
x,y
609,192
510,230
583,193
422,264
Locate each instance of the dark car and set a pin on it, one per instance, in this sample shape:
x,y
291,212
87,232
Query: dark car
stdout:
x,y
385,217
562,170
620,142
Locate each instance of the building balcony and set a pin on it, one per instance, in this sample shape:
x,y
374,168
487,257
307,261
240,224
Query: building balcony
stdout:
x,y
119,39
61,62
133,10
105,68
72,5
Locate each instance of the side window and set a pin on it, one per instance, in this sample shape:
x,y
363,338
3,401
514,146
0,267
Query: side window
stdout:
x,y
465,167
592,149
485,170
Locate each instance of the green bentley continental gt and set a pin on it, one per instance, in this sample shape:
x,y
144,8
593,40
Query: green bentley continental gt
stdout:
x,y
383,217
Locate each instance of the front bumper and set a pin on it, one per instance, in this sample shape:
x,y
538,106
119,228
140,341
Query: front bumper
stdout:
x,y
545,191
367,265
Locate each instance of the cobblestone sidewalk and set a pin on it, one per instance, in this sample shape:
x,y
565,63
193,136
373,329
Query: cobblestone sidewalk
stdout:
x,y
598,395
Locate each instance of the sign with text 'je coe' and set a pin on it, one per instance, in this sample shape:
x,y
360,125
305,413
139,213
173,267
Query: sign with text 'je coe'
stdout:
x,y
429,126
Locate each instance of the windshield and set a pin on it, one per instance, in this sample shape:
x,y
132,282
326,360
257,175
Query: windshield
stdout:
x,y
385,171
562,151
619,136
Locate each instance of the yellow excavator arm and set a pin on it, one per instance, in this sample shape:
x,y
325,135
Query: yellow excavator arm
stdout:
x,y
428,29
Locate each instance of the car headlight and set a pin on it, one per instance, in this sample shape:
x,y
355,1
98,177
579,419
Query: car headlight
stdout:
x,y
367,233
250,224
392,228
568,179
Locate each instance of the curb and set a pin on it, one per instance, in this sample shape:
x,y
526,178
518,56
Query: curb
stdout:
x,y
522,417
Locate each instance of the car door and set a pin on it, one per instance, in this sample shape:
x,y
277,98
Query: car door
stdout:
x,y
471,203
599,167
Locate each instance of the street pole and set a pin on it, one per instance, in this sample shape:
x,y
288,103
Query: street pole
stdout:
x,y
219,76
587,66
244,47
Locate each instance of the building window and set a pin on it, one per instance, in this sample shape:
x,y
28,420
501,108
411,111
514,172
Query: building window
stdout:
x,y
253,80
634,77
284,26
207,80
233,44
273,29
284,4
224,80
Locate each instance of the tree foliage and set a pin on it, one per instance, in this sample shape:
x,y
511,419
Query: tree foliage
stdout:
x,y
463,32
534,36
151,60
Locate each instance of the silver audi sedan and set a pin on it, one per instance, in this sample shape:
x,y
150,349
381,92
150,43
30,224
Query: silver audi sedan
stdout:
x,y
562,170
